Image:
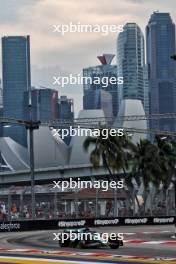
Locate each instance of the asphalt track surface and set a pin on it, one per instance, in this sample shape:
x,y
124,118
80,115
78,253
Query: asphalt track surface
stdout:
x,y
148,241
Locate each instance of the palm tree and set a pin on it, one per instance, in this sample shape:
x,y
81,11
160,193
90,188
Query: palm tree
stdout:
x,y
167,155
147,162
113,153
109,152
166,158
145,165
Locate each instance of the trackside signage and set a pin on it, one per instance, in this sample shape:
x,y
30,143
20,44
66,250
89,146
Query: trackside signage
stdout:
x,y
10,226
104,222
29,225
136,221
71,223
167,220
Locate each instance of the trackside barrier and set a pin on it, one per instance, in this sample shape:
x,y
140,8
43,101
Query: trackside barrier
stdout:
x,y
29,225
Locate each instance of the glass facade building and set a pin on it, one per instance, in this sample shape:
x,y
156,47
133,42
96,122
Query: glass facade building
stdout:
x,y
91,90
146,92
47,104
131,62
160,38
1,95
16,81
65,108
66,112
99,99
44,104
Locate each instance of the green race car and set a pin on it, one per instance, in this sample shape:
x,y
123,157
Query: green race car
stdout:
x,y
86,238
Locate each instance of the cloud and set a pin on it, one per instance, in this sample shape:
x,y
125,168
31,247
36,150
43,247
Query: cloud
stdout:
x,y
11,10
73,51
136,1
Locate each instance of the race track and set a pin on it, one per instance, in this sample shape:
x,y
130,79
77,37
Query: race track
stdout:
x,y
142,243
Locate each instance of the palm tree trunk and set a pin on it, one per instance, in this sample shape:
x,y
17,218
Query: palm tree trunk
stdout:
x,y
125,175
115,191
131,191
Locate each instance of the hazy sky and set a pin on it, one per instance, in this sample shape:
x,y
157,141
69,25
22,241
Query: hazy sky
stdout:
x,y
52,54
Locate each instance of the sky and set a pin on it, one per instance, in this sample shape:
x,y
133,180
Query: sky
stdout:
x,y
56,55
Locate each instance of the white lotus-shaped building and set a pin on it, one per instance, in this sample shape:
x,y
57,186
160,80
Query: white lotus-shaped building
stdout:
x,y
132,108
51,151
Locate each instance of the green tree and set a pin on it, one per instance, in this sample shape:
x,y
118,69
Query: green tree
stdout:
x,y
114,154
167,156
146,167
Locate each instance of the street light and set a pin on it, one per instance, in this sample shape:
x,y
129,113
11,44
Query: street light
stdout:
x,y
31,126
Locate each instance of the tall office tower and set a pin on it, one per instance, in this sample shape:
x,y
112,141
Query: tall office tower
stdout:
x,y
3,166
130,61
103,70
66,112
146,90
1,95
99,99
16,80
44,104
65,108
160,37
47,104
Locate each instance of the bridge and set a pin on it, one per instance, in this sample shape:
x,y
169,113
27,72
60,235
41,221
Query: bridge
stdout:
x,y
47,175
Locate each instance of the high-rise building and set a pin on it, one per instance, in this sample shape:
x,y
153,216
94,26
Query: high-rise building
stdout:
x,y
65,108
160,38
66,112
44,104
99,99
1,95
91,89
16,80
47,104
146,90
131,61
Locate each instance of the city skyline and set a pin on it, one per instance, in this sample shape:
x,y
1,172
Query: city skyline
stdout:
x,y
140,41
37,17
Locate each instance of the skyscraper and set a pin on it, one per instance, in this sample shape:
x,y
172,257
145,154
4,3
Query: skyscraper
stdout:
x,y
130,61
146,92
65,108
91,90
47,103
99,99
44,104
16,81
66,112
1,95
160,37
